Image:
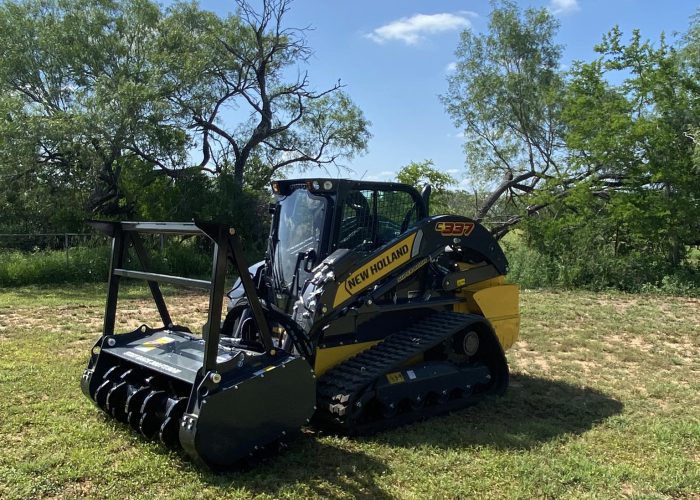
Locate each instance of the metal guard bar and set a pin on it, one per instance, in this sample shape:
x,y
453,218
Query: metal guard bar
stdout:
x,y
227,244
111,228
163,278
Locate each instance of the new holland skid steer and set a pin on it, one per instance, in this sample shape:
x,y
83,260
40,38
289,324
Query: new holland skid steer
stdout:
x,y
366,313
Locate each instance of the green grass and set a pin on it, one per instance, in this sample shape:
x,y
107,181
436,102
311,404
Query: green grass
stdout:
x,y
91,264
604,402
78,265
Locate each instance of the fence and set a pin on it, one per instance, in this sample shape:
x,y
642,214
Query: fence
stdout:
x,y
34,242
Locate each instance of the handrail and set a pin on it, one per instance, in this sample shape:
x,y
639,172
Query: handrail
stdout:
x,y
227,245
163,278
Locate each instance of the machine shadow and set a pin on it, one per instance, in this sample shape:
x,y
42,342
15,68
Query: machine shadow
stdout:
x,y
534,410
328,470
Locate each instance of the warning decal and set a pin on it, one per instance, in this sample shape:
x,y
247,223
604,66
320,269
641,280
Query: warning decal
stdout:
x,y
395,378
152,344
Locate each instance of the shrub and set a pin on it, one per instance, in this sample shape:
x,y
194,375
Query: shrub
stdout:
x,y
597,269
79,264
190,257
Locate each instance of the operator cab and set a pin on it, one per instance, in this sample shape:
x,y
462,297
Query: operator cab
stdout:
x,y
312,218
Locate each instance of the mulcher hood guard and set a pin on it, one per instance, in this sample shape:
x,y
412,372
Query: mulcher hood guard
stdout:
x,y
220,400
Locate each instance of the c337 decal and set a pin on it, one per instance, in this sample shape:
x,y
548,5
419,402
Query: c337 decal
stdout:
x,y
390,259
456,228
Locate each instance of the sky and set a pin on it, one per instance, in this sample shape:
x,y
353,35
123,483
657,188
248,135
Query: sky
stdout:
x,y
393,56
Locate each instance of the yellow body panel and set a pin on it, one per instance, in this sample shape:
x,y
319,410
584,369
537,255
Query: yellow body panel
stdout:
x,y
329,357
497,302
493,298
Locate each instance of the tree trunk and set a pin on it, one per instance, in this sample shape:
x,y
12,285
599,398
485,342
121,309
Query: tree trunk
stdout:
x,y
507,183
238,168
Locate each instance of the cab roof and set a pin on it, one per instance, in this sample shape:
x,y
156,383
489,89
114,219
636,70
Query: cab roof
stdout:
x,y
329,185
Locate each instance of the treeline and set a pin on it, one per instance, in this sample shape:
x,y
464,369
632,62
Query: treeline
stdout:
x,y
598,165
128,109
590,175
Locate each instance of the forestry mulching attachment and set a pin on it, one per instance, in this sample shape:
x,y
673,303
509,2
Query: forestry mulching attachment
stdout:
x,y
366,313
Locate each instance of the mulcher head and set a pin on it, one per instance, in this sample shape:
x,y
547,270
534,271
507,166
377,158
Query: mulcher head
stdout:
x,y
153,381
219,399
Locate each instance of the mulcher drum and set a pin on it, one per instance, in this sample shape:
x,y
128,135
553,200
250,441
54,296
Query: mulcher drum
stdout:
x,y
152,380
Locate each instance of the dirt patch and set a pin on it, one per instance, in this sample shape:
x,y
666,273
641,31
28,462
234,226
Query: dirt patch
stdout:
x,y
78,489
618,302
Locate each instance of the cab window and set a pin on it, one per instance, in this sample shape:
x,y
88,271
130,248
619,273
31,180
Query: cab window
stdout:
x,y
372,218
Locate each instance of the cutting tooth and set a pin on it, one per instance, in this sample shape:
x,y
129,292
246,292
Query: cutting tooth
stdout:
x,y
113,373
103,389
134,400
109,375
116,401
135,394
170,430
153,412
101,394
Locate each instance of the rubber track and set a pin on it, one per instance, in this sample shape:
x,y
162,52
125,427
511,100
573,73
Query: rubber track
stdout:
x,y
341,391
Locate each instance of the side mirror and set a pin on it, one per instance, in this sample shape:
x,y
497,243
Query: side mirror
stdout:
x,y
309,260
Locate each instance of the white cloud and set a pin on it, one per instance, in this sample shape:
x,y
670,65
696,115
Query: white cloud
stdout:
x,y
451,67
564,6
412,30
452,171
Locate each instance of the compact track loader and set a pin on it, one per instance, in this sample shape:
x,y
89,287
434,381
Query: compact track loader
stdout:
x,y
366,313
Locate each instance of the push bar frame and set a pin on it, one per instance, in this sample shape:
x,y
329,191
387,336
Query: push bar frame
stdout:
x,y
227,246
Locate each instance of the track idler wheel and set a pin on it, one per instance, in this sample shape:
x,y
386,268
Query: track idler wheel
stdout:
x,y
417,402
389,409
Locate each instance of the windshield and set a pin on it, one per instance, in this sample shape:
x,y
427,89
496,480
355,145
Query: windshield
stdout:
x,y
301,219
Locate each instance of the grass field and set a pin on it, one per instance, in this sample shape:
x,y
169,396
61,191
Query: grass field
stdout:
x,y
604,402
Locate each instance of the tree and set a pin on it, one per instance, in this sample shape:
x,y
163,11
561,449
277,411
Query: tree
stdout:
x,y
81,99
242,63
602,174
418,174
629,210
637,138
99,96
506,95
